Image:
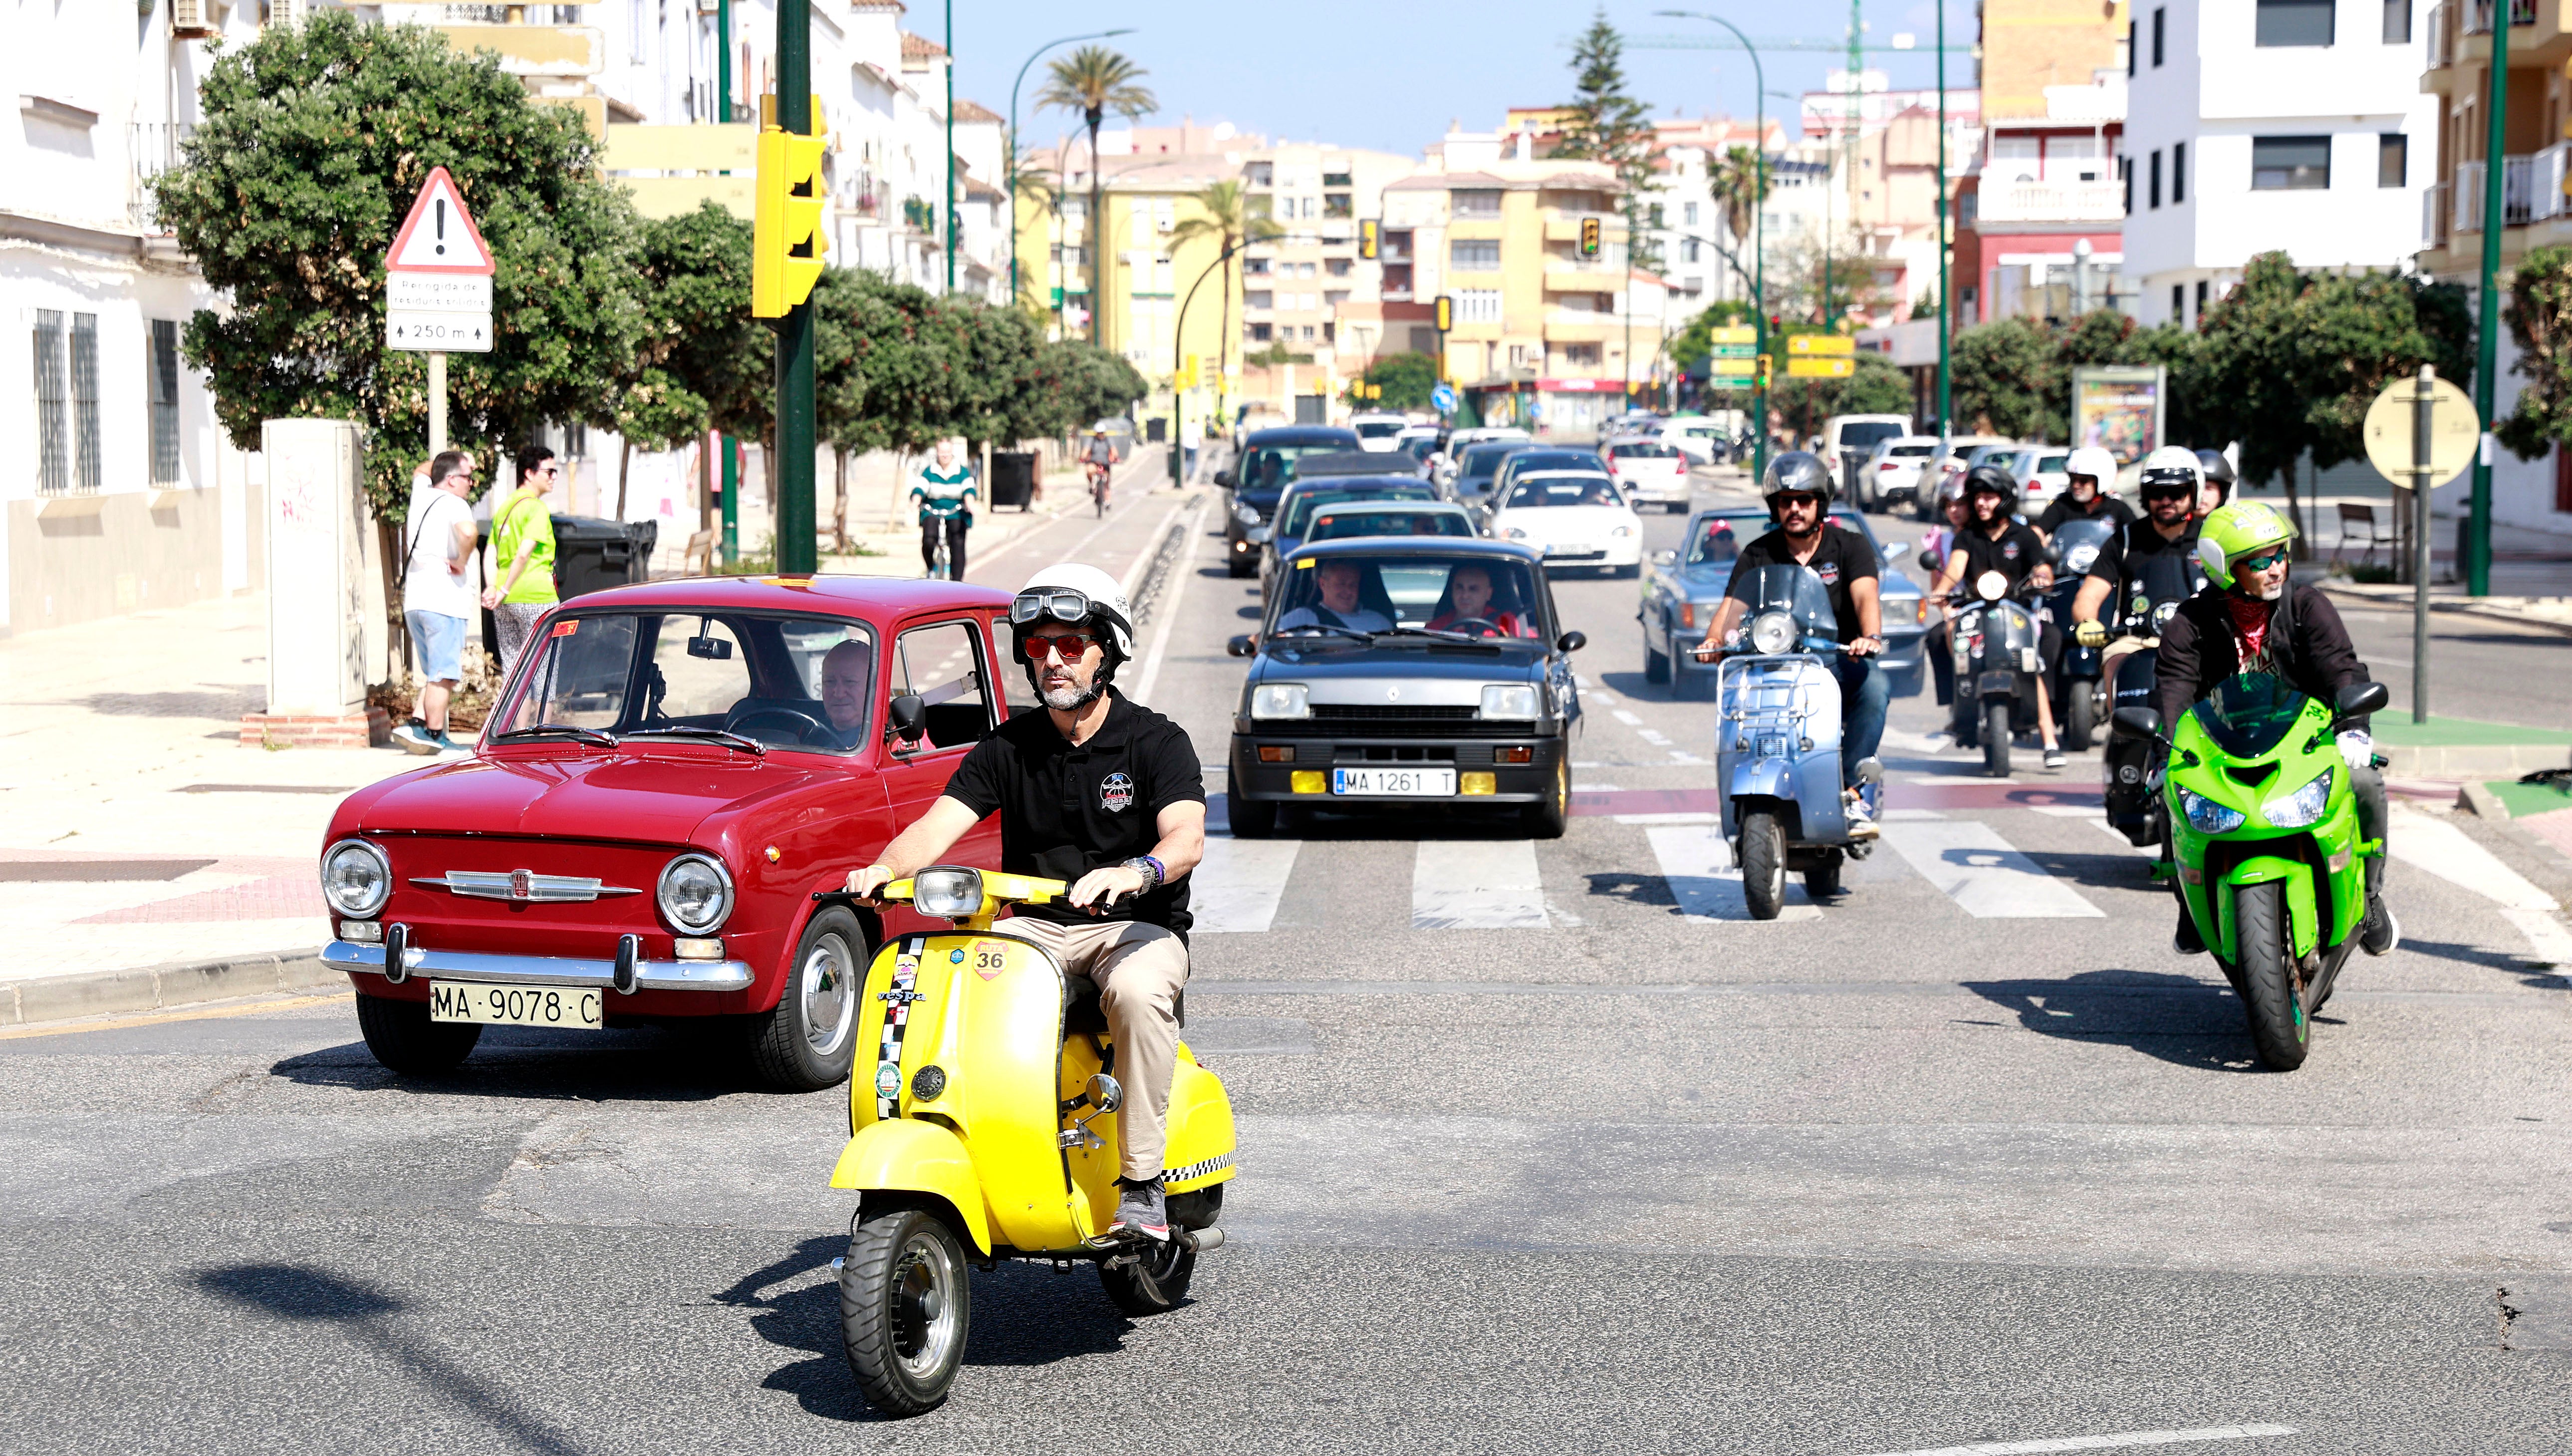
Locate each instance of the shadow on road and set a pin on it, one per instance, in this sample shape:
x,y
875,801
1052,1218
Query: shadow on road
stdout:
x,y
366,1315
1022,1314
2176,1018
621,1065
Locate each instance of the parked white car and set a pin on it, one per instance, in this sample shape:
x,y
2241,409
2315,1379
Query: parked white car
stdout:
x,y
1892,470
1649,470
1703,440
1575,517
1848,440
1379,431
2040,472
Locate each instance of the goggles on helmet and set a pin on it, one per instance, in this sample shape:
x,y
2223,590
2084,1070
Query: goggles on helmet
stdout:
x,y
2166,482
1059,603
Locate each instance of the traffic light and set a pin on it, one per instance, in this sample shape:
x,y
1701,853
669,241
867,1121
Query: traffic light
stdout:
x,y
1589,237
1446,314
1759,372
787,236
1367,240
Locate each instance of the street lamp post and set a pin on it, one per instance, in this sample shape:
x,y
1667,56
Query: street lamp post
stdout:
x,y
1013,160
2477,544
1178,358
1758,223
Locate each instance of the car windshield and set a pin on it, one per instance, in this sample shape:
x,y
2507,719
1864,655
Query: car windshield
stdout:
x,y
1332,525
1527,460
1419,447
1642,450
1297,514
2050,464
1545,490
786,681
1481,460
1379,591
2249,714
1860,435
1270,466
1378,429
1911,451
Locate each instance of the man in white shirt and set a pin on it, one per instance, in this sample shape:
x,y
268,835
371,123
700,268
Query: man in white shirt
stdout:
x,y
437,592
1339,584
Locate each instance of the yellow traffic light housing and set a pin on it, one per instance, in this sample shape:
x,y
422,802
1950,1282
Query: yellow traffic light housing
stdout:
x,y
1589,237
787,232
1446,314
1369,243
1759,372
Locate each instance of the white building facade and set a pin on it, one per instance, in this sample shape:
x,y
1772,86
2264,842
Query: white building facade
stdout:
x,y
2292,125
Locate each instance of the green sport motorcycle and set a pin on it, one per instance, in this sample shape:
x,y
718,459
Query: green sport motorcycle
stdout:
x,y
2265,834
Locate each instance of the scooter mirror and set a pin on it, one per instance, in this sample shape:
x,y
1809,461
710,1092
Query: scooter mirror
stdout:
x,y
1105,1094
2359,699
2137,723
1870,769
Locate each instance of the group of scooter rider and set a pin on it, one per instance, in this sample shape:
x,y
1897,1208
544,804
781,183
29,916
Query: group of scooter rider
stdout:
x,y
2210,574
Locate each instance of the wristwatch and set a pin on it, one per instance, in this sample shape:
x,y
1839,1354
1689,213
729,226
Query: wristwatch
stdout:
x,y
1148,867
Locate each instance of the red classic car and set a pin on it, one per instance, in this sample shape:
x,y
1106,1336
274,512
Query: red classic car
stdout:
x,y
674,774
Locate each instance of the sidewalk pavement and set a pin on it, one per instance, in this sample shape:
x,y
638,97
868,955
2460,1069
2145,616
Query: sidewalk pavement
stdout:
x,y
895,546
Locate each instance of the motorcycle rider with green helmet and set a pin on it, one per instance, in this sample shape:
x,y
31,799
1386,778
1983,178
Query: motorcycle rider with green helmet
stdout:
x,y
2252,618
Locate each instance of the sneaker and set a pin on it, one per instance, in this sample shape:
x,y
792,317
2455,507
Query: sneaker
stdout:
x,y
1862,824
414,737
1140,1212
2053,759
2186,940
2380,932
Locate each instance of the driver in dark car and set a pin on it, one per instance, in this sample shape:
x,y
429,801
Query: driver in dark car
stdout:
x,y
1469,599
845,672
1340,584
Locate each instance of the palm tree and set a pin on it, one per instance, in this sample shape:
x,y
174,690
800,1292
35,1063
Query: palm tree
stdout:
x,y
1733,181
1224,217
1095,81
1026,175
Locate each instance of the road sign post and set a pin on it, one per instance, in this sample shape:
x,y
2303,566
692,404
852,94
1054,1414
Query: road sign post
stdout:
x,y
438,289
2426,430
1821,356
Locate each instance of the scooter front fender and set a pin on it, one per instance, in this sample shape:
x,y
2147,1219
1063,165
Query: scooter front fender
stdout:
x,y
2303,915
912,1155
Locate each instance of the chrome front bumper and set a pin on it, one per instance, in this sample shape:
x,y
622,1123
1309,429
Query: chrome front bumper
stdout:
x,y
542,970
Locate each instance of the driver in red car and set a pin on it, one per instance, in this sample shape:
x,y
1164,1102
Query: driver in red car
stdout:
x,y
846,673
1469,599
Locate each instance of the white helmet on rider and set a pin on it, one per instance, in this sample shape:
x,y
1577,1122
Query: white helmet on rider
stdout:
x,y
1071,595
2095,462
2172,465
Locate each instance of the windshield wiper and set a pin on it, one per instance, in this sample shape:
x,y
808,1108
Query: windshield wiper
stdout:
x,y
1325,627
724,736
559,730
1441,633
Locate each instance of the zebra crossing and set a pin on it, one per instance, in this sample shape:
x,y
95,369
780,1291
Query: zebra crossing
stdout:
x,y
1484,884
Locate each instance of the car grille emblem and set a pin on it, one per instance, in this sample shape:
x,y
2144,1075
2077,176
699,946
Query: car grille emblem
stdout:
x,y
521,887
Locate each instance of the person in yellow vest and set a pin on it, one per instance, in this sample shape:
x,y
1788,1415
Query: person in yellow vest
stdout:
x,y
523,555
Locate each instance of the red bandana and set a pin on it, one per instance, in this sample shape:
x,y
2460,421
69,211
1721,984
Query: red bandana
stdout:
x,y
2250,626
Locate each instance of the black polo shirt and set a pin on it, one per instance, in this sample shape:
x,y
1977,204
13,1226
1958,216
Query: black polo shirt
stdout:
x,y
1842,557
2125,553
2103,507
1067,808
2014,556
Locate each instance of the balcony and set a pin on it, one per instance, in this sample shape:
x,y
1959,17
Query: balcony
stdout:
x,y
2531,189
151,147
2052,202
2477,15
2433,217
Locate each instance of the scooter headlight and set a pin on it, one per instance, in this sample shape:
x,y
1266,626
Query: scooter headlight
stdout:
x,y
356,879
1773,632
2302,807
2208,817
947,893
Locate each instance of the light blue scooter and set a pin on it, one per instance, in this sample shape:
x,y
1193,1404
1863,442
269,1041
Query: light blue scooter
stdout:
x,y
1777,743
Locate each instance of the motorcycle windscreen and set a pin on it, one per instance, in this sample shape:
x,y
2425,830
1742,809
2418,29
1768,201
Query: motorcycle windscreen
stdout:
x,y
1794,590
2249,715
2078,544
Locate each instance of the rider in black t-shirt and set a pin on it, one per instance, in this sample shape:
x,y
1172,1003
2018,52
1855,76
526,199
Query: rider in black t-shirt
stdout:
x,y
1993,541
2085,496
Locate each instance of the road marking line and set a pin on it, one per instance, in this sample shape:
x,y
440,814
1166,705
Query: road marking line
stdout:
x,y
1657,740
1239,882
154,1019
1629,719
1680,817
1185,568
1698,864
1476,885
1682,756
2102,1443
2445,851
2096,818
1899,816
1969,861
2547,937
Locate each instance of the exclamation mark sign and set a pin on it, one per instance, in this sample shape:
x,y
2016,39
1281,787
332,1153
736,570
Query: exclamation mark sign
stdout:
x,y
441,226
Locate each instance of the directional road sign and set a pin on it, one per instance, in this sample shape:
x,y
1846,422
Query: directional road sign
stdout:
x,y
1822,344
1801,366
1441,396
2454,431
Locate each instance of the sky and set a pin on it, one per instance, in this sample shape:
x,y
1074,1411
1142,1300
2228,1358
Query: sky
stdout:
x,y
1390,77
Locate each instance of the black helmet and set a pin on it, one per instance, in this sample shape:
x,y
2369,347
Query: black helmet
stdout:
x,y
2218,472
1798,472
1992,479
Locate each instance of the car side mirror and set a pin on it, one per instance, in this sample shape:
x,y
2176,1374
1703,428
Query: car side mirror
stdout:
x,y
2357,700
1225,478
2137,723
1258,536
1665,559
1572,641
910,718
1242,646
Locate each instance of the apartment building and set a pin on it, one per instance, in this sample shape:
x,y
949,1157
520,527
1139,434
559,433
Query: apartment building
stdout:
x,y
2535,212
1315,311
1544,336
2256,125
1701,259
2041,214
1880,209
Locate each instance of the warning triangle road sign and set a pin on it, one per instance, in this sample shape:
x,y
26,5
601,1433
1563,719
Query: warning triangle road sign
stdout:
x,y
438,236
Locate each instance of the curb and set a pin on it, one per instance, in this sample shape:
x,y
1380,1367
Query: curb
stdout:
x,y
2486,607
2477,799
160,988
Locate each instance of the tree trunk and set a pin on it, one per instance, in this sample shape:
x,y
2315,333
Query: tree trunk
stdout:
x,y
1098,230
624,467
2295,511
839,500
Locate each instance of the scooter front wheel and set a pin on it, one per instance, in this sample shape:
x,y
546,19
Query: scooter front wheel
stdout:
x,y
1151,1280
903,1308
1996,738
1763,864
2270,988
2080,714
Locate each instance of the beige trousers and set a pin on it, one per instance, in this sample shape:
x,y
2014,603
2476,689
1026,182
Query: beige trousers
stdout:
x,y
1140,971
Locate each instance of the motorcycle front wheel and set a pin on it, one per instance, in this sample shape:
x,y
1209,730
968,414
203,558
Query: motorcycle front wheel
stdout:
x,y
903,1308
2270,991
2080,714
1763,864
1996,738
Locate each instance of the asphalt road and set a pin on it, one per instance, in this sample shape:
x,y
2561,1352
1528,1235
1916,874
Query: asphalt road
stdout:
x,y
1968,1156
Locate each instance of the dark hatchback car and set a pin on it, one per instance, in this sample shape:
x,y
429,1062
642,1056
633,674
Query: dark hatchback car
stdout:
x,y
1295,508
1265,468
1401,673
1683,589
1479,463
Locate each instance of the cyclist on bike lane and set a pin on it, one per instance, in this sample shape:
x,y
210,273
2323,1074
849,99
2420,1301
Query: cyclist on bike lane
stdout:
x,y
947,492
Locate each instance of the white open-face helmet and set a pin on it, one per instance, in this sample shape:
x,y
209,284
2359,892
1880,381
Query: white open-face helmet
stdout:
x,y
2095,462
1075,595
2172,465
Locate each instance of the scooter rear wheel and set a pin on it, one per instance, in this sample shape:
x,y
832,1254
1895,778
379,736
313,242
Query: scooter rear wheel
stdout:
x,y
1152,1280
1763,864
2279,1028
905,1307
2080,712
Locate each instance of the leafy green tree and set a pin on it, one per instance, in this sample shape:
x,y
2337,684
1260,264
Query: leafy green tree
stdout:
x,y
2000,376
1735,182
1093,81
1405,377
700,357
2538,311
316,139
1609,125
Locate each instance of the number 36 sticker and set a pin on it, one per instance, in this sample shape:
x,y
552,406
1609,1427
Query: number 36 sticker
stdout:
x,y
989,959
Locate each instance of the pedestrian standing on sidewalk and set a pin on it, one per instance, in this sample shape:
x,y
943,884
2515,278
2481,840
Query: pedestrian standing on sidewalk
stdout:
x,y
522,535
437,592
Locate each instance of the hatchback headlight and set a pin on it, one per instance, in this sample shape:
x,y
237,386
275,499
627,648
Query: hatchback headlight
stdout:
x,y
1244,516
356,878
2208,817
1281,700
696,894
1622,532
1773,632
1510,701
1901,611
947,893
2302,807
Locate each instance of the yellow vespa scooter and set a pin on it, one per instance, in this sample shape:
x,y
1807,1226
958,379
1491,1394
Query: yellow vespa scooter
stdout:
x,y
984,1132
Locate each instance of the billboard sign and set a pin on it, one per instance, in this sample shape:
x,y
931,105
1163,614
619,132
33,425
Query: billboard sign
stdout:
x,y
2120,408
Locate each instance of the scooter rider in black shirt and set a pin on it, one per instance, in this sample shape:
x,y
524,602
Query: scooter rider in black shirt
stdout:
x,y
2084,495
1993,541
